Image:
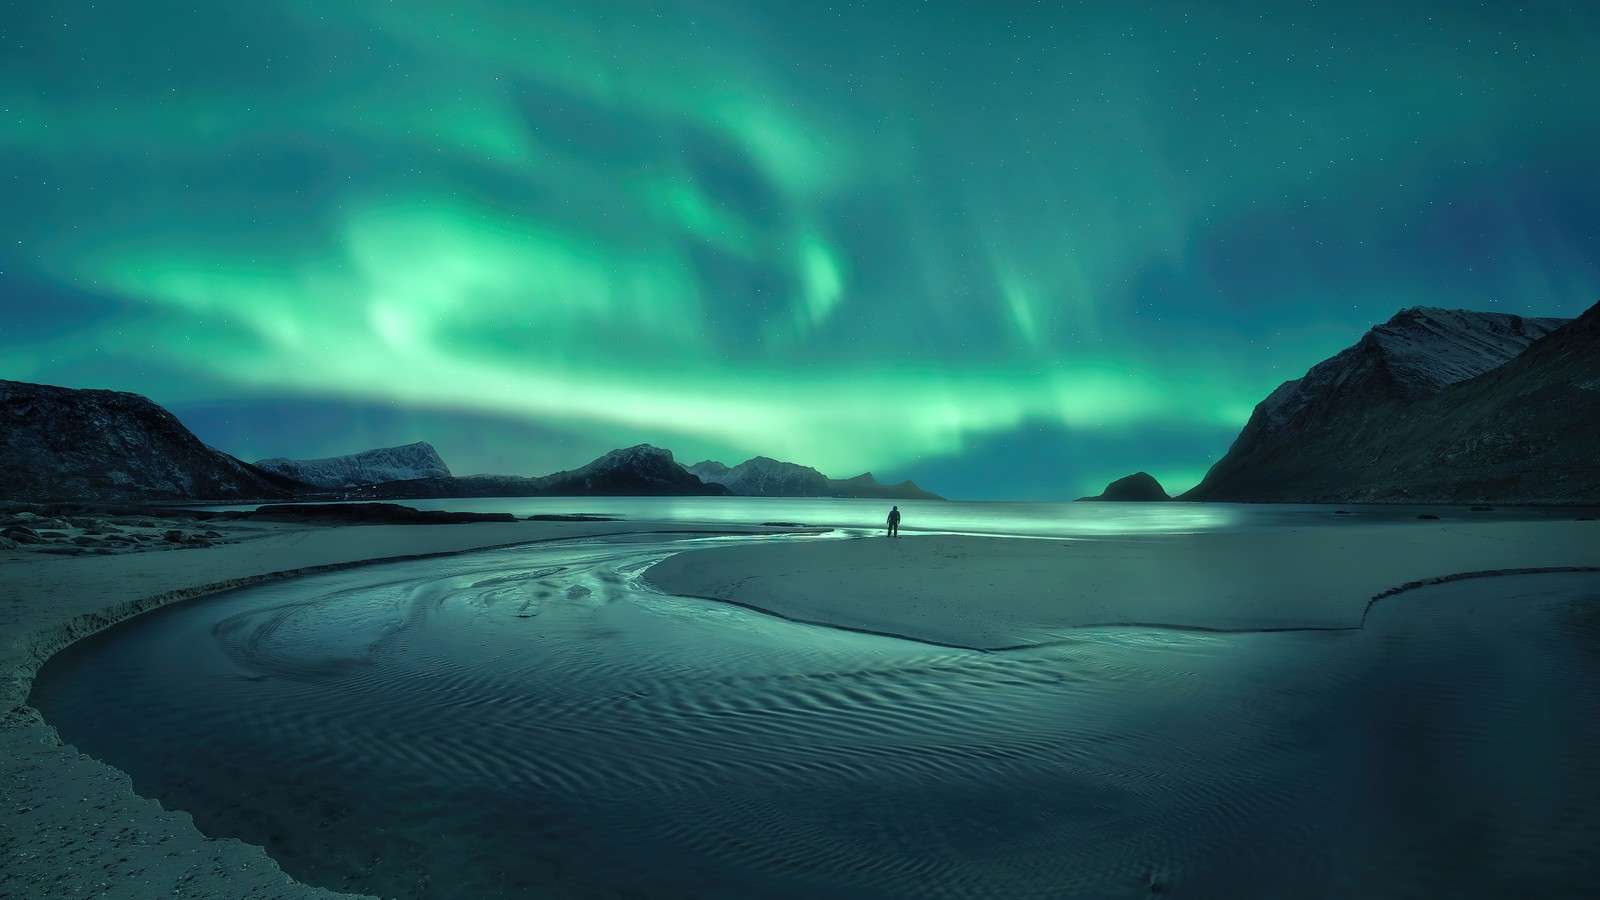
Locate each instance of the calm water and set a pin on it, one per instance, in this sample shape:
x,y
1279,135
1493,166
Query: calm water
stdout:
x,y
978,517
537,722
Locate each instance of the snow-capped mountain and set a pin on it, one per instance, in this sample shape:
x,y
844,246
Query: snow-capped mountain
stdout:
x,y
640,470
763,476
418,460
65,444
1414,355
1413,412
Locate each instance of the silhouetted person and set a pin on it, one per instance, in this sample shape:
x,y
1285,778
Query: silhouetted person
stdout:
x,y
894,521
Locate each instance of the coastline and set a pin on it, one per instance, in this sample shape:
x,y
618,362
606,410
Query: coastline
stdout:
x,y
987,593
74,826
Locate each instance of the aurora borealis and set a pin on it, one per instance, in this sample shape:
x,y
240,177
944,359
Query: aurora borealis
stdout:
x,y
1008,250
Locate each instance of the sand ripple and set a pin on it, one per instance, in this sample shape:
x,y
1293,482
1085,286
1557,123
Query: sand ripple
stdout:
x,y
536,723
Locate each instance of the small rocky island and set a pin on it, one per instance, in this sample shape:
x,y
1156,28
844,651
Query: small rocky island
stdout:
x,y
1140,487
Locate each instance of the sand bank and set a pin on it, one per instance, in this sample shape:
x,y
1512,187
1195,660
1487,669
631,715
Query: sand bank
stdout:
x,y
990,593
72,826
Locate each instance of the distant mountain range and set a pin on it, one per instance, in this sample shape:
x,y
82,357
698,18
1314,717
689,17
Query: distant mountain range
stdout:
x,y
58,443
765,477
62,444
1435,406
637,471
403,463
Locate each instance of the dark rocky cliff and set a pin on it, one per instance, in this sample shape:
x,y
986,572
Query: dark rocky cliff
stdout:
x,y
1140,487
59,443
1427,413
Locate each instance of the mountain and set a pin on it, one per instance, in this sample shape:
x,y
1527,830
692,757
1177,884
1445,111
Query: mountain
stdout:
x,y
1140,487
764,477
636,471
864,485
404,463
65,444
1433,406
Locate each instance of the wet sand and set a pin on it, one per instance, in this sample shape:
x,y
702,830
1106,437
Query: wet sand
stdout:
x,y
74,827
993,593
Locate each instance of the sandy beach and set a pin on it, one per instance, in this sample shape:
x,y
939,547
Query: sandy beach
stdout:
x,y
992,593
74,827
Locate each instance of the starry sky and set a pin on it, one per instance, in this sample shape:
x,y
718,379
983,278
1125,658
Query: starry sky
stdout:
x,y
1011,250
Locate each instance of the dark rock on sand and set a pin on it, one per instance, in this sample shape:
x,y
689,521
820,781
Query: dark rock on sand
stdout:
x,y
22,535
369,514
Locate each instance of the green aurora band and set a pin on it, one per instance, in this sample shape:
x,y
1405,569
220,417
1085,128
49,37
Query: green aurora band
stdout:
x,y
918,238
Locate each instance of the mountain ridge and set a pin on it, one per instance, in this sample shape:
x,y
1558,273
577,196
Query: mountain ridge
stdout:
x,y
763,476
63,443
402,463
1403,415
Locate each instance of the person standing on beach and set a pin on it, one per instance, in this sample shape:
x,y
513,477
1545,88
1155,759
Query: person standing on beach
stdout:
x,y
894,521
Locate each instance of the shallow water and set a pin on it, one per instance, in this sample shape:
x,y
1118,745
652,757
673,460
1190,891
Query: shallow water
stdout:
x,y
1016,518
536,722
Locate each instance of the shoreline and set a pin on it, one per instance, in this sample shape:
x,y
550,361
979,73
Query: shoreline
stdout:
x,y
991,593
75,825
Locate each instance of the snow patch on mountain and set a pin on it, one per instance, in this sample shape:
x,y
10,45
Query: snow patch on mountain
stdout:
x,y
1416,354
763,476
404,463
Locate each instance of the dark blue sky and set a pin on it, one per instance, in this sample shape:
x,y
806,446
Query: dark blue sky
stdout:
x,y
1009,250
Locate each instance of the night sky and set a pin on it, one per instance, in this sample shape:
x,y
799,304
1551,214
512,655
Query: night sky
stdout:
x,y
1012,250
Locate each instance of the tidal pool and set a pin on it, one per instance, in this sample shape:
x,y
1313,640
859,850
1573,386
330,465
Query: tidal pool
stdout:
x,y
537,722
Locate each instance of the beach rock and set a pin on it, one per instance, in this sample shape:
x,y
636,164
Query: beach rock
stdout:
x,y
1483,509
174,537
85,541
213,534
52,534
8,544
370,514
1140,487
1427,516
82,522
22,535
